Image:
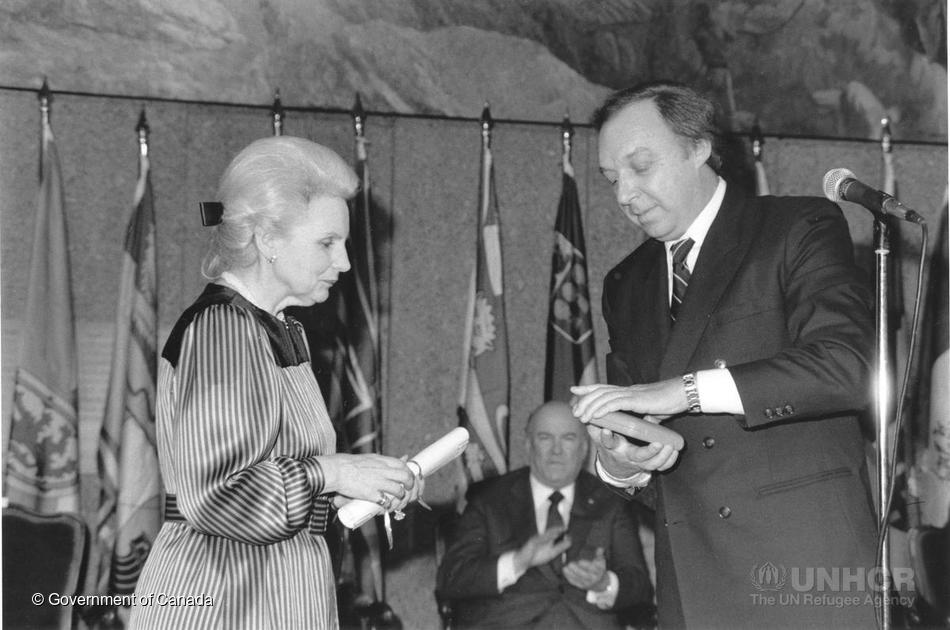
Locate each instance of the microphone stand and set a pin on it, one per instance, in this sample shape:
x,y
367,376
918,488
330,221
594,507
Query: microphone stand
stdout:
x,y
882,397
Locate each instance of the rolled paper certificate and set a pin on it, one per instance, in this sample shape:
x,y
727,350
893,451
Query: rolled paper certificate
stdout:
x,y
433,457
639,429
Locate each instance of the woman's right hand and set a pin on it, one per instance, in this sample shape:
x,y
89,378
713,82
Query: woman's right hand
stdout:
x,y
370,477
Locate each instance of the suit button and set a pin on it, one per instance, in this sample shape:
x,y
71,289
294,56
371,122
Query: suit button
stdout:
x,y
768,412
725,512
779,412
709,442
720,364
789,410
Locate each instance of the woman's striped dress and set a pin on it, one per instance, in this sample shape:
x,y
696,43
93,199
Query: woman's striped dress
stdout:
x,y
239,420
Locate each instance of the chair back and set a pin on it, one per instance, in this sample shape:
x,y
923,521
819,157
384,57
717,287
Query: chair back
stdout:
x,y
42,554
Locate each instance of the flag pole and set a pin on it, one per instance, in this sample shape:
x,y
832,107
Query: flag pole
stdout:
x,y
487,124
45,97
370,529
277,114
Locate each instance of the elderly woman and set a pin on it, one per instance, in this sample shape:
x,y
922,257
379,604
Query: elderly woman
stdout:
x,y
244,440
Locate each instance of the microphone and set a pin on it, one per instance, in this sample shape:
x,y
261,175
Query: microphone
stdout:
x,y
840,185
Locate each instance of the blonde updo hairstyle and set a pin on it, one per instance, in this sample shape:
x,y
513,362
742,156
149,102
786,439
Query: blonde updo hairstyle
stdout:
x,y
268,186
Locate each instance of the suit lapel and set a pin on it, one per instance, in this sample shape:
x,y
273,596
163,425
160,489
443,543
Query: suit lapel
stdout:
x,y
719,259
649,312
523,522
581,511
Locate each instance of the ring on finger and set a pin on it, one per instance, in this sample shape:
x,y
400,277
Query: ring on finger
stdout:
x,y
383,499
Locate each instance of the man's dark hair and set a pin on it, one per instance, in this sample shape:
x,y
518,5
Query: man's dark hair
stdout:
x,y
690,114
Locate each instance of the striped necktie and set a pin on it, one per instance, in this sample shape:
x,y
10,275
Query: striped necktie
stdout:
x,y
680,251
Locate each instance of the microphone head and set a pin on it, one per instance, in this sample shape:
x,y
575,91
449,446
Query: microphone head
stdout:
x,y
832,182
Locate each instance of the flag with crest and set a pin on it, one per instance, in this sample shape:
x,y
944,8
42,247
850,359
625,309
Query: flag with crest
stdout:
x,y
570,355
128,518
485,390
42,464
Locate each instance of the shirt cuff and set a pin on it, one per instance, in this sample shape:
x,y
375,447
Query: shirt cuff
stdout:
x,y
608,597
507,575
637,480
717,392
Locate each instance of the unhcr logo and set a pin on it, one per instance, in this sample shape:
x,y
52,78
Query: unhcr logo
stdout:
x,y
768,577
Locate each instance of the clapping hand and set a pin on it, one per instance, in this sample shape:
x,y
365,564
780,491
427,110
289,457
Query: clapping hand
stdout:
x,y
541,549
588,575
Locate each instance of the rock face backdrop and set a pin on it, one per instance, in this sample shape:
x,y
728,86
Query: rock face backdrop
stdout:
x,y
801,67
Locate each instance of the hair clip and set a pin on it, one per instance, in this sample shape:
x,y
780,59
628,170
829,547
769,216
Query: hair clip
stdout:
x,y
211,212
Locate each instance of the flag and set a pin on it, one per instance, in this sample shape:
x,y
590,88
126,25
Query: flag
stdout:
x,y
42,471
570,355
357,341
484,394
128,518
930,404
359,352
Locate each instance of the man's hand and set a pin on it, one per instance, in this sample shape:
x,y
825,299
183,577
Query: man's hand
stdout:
x,y
622,459
588,575
661,399
654,402
541,549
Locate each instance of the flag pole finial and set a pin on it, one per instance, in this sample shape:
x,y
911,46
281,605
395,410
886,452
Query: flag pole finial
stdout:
x,y
567,129
886,138
359,116
567,136
45,96
487,122
277,114
143,130
758,141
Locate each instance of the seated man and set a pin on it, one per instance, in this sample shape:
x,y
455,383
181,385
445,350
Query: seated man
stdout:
x,y
547,546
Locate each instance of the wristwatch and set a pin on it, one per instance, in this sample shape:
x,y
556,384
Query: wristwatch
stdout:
x,y
692,393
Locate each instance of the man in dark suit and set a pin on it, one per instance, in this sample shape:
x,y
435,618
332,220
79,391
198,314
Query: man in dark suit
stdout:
x,y
546,546
743,324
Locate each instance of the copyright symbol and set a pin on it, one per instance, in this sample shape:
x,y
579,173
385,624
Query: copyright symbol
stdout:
x,y
37,599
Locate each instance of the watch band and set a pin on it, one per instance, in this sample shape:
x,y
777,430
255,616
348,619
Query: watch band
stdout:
x,y
692,393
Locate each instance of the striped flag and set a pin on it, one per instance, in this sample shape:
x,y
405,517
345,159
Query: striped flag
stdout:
x,y
357,344
571,358
930,402
484,394
349,368
42,471
128,518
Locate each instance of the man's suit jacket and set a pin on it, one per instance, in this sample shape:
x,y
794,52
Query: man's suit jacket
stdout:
x,y
756,501
499,517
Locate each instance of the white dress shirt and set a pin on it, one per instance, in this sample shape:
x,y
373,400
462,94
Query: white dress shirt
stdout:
x,y
540,495
717,390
